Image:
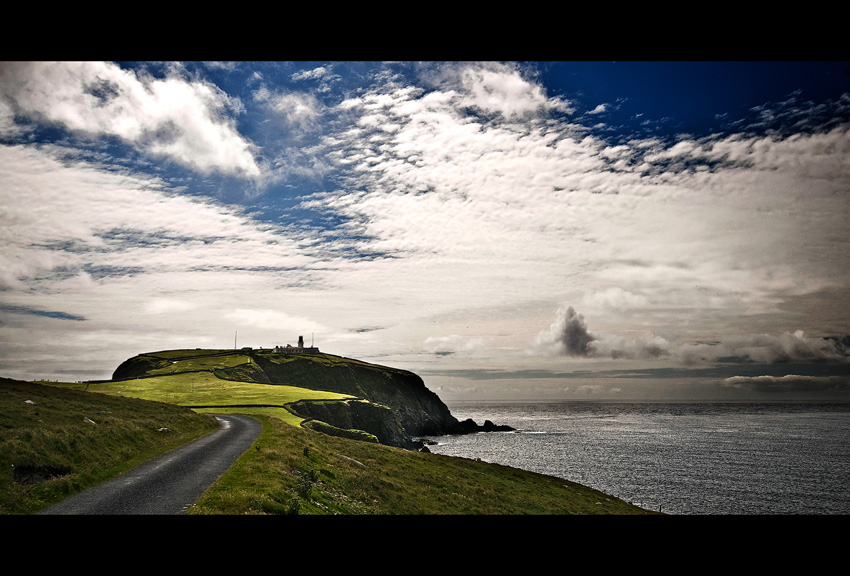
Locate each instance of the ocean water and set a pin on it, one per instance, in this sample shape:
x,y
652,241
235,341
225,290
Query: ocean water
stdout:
x,y
679,458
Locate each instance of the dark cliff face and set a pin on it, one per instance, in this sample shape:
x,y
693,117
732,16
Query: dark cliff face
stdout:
x,y
378,420
420,411
138,366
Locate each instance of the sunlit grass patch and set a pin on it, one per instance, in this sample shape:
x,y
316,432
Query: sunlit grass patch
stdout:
x,y
205,389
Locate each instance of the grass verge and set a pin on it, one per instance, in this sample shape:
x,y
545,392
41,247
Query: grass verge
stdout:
x,y
291,471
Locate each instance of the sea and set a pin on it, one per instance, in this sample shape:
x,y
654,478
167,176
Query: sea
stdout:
x,y
679,458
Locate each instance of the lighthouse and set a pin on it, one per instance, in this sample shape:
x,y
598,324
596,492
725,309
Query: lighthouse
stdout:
x,y
300,349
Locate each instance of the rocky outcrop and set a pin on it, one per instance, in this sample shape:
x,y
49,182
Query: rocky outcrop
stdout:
x,y
377,420
469,426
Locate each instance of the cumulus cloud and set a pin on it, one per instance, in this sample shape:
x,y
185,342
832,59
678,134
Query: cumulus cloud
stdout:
x,y
567,335
186,121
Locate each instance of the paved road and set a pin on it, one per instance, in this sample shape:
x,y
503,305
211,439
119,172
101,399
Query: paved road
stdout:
x,y
171,483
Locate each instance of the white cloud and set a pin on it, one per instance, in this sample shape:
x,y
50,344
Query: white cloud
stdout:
x,y
273,320
299,110
539,211
502,90
185,121
764,348
8,127
168,306
146,269
616,298
451,344
619,347
570,336
58,212
314,74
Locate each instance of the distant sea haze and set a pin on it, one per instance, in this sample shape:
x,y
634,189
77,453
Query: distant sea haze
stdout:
x,y
679,458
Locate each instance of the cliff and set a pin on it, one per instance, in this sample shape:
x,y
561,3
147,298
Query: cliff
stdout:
x,y
393,406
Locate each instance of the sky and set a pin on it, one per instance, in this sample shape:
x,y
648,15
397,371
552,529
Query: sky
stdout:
x,y
591,230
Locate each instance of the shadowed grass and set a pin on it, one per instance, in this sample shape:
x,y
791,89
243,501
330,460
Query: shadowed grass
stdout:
x,y
177,366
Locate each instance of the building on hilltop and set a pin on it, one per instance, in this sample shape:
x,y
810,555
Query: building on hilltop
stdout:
x,y
300,349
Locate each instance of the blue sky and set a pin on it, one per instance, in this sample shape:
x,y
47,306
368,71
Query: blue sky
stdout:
x,y
557,230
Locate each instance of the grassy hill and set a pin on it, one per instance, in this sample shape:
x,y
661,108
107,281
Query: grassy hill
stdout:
x,y
55,442
338,394
61,438
419,410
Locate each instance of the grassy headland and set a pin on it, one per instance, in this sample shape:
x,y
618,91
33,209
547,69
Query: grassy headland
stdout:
x,y
62,438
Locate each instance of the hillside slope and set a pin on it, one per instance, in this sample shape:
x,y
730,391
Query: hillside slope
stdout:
x,y
395,405
56,440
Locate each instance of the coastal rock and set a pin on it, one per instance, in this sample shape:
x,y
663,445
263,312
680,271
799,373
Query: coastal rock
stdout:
x,y
377,420
469,426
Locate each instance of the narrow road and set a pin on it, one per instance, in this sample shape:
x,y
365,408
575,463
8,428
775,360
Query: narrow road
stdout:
x,y
171,483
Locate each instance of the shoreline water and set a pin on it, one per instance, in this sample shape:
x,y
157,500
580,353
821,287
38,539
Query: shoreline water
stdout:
x,y
679,457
